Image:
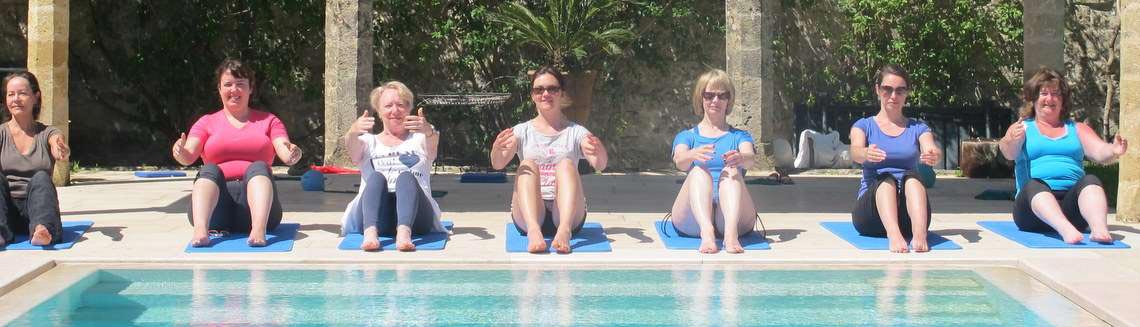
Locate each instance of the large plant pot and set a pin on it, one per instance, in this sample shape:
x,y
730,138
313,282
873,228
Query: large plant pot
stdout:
x,y
578,100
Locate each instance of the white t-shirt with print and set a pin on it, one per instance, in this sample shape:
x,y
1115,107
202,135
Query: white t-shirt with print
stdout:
x,y
408,156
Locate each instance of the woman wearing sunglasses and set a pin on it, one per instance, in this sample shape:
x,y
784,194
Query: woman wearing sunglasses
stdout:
x,y
713,201
892,200
548,198
1053,191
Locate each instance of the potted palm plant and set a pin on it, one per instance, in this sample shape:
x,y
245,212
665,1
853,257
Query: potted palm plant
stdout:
x,y
574,35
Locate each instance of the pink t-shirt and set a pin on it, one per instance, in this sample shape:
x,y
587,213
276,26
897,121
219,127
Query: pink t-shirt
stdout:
x,y
234,149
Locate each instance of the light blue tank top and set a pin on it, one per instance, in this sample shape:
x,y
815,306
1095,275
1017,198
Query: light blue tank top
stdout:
x,y
1055,161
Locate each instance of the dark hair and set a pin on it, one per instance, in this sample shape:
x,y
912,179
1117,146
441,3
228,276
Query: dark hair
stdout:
x,y
33,83
892,69
1032,89
549,69
238,70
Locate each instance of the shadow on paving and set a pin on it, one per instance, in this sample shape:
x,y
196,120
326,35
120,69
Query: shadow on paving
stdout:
x,y
655,194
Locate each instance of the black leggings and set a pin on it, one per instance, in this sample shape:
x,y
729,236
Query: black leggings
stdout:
x,y
41,207
866,217
1026,220
232,211
407,206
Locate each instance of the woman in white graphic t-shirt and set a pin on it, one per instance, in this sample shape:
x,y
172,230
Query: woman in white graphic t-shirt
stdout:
x,y
548,198
395,171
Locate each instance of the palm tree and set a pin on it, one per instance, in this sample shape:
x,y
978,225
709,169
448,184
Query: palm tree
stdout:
x,y
572,33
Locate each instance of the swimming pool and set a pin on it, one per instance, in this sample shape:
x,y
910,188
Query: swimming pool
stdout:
x,y
664,295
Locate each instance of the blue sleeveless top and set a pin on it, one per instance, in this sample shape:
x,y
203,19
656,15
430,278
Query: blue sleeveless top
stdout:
x,y
1058,161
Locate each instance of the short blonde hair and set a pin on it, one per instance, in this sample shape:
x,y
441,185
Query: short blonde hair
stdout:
x,y
715,77
402,90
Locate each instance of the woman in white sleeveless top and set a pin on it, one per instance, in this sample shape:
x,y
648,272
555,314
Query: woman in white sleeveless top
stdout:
x,y
395,171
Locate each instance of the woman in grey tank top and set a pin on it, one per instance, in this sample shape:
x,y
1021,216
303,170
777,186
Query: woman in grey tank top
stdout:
x,y
548,196
28,152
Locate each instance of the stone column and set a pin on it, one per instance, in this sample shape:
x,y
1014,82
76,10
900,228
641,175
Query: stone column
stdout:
x,y
47,58
348,71
750,25
1044,38
1128,192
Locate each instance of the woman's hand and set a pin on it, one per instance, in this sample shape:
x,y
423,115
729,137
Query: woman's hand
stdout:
x,y
503,148
59,149
418,124
505,142
1016,132
363,125
1010,144
293,155
595,152
1119,147
732,158
874,154
179,150
930,156
702,153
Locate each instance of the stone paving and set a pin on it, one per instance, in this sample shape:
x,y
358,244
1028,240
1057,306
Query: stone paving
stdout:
x,y
144,221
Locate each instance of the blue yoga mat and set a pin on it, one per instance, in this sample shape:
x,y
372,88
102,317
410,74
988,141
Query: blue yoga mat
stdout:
x,y
592,238
1050,240
483,178
277,240
675,241
159,173
429,241
846,231
72,230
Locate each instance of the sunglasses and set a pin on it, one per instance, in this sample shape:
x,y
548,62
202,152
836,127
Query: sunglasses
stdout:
x,y
540,89
709,96
889,90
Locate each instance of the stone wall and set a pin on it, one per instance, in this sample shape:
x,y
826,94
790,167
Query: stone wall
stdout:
x,y
640,103
1092,63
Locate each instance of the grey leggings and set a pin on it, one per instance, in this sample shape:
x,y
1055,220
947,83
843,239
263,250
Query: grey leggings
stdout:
x,y
41,207
232,211
407,206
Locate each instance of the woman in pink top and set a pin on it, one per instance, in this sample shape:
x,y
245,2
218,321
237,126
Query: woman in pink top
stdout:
x,y
234,190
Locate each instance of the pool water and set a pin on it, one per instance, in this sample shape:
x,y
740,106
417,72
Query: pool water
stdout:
x,y
720,295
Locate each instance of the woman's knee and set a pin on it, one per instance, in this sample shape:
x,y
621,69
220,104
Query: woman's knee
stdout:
x,y
407,179
41,178
566,165
258,168
213,173
699,173
528,166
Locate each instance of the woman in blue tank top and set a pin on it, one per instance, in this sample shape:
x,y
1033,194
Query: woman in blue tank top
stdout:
x,y
892,200
713,200
1048,148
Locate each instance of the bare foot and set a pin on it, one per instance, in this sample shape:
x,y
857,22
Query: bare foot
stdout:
x,y
371,240
41,236
898,244
370,244
404,239
732,245
919,244
256,239
536,244
561,242
1072,236
200,239
1101,236
708,243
